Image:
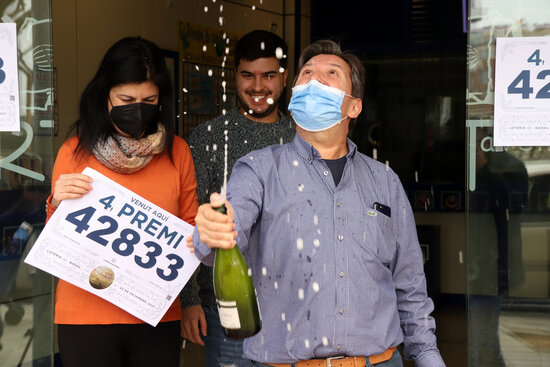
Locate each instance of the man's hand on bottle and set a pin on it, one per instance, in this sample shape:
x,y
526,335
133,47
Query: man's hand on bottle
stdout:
x,y
215,229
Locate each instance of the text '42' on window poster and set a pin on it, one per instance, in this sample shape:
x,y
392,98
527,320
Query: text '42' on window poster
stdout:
x,y
522,92
118,246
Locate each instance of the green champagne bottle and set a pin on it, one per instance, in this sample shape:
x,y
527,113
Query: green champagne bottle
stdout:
x,y
235,293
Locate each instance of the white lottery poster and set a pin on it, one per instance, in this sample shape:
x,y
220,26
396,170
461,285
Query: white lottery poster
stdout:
x,y
118,246
9,86
522,92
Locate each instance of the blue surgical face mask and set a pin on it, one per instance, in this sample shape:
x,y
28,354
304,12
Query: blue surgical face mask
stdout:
x,y
315,106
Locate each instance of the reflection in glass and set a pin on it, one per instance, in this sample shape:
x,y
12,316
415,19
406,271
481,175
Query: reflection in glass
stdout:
x,y
26,329
508,213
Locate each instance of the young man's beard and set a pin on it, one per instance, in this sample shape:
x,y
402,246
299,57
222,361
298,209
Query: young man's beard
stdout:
x,y
247,109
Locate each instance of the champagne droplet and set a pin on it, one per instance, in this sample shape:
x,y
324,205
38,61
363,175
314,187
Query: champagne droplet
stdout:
x,y
301,293
315,286
300,244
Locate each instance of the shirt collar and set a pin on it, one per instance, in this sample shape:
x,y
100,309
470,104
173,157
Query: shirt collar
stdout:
x,y
309,153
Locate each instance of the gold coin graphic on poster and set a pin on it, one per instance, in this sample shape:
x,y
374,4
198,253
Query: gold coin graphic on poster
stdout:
x,y
101,277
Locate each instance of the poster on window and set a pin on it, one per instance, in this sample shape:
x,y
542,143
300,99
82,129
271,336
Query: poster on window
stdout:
x,y
522,92
9,86
118,246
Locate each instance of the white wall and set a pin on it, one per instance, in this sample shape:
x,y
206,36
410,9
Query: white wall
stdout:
x,y
452,248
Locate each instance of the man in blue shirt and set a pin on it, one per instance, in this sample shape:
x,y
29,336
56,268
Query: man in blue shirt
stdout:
x,y
329,235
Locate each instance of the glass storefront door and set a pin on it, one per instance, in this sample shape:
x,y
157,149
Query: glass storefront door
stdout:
x,y
26,328
508,206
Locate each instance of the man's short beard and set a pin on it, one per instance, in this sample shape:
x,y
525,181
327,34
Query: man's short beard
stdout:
x,y
269,110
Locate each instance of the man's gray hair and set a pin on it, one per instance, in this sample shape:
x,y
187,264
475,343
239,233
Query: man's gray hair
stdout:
x,y
328,47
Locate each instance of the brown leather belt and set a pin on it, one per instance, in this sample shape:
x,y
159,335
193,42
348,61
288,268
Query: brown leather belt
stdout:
x,y
341,361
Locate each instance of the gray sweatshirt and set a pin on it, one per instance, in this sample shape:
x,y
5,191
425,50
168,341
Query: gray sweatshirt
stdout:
x,y
207,147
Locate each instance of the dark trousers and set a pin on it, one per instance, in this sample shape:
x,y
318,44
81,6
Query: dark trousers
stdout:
x,y
120,345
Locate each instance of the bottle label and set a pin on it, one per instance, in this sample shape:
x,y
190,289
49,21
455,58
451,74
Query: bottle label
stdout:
x,y
229,314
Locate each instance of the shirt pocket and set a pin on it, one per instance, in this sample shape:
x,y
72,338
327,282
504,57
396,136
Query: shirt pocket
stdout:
x,y
378,237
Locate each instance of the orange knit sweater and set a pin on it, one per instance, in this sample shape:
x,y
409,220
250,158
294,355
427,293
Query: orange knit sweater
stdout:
x,y
171,186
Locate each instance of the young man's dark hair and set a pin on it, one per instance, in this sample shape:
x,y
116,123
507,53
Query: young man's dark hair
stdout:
x,y
257,44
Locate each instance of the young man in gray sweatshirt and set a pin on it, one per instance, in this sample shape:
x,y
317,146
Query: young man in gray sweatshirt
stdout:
x,y
261,72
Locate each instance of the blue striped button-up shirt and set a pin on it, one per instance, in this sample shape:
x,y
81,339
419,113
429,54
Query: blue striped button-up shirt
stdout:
x,y
334,276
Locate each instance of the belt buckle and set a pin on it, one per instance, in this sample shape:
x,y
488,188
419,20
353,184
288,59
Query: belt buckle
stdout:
x,y
330,359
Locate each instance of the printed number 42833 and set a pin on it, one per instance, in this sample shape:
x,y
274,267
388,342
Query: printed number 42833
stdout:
x,y
125,243
522,83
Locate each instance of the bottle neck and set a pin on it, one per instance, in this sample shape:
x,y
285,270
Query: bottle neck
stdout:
x,y
221,209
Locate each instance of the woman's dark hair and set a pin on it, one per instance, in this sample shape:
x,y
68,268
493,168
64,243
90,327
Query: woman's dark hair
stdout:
x,y
130,60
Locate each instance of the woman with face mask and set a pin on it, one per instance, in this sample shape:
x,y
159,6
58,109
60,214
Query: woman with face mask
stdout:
x,y
125,131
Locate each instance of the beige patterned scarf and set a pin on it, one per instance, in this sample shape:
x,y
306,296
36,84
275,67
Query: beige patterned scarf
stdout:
x,y
128,155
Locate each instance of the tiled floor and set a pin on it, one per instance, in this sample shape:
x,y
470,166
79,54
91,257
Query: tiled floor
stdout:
x,y
15,338
525,338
